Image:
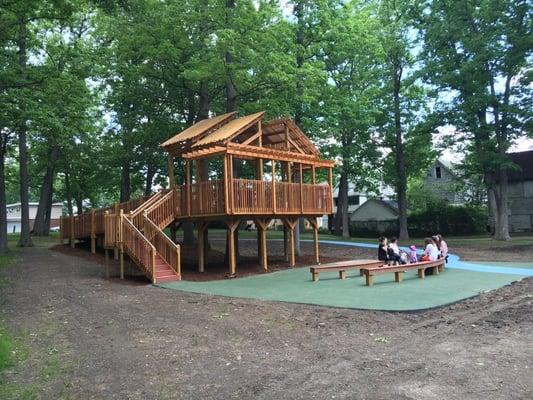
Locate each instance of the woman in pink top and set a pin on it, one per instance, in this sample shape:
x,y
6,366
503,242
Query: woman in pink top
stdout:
x,y
443,246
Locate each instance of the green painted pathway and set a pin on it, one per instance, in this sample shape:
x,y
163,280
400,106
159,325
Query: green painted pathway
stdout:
x,y
295,286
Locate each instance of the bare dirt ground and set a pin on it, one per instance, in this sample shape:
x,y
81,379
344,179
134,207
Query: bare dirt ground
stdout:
x,y
79,336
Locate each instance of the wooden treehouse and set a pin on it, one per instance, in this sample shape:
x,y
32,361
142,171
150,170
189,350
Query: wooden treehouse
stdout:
x,y
236,169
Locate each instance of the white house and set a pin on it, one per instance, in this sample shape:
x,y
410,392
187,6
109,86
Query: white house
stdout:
x,y
357,198
13,215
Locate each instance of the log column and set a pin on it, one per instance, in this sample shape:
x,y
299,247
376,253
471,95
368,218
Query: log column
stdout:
x,y
262,225
93,232
314,223
232,259
202,225
290,223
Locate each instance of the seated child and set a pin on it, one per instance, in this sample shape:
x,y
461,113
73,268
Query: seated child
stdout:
x,y
394,251
412,254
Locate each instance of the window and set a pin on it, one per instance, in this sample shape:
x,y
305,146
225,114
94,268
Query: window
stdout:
x,y
438,173
353,200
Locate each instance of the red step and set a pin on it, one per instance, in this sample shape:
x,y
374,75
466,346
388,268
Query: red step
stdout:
x,y
163,272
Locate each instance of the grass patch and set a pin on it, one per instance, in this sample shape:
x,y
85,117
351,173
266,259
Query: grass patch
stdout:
x,y
5,350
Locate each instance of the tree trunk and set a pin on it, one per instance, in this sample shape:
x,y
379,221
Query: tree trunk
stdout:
x,y
3,211
68,194
150,173
342,204
40,227
501,228
25,238
401,176
79,203
125,185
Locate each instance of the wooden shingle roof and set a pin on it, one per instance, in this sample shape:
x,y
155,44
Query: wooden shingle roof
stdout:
x,y
230,130
198,130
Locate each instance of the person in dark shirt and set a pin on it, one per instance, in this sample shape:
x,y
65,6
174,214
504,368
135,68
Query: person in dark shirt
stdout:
x,y
383,253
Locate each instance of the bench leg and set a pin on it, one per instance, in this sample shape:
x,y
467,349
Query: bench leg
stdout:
x,y
421,273
441,268
342,274
436,270
361,272
398,276
369,279
315,276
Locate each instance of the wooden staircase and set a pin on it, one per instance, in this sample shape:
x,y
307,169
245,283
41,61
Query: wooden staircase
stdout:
x,y
163,272
143,240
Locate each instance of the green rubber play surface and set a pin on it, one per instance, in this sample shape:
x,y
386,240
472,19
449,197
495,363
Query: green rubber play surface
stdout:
x,y
412,294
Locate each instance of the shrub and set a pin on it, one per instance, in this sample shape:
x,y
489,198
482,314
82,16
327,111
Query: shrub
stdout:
x,y
448,220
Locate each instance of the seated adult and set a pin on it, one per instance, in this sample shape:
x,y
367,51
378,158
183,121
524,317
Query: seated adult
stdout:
x,y
383,253
394,251
431,253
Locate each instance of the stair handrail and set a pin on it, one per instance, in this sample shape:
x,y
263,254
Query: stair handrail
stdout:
x,y
160,200
150,268
159,203
143,206
170,254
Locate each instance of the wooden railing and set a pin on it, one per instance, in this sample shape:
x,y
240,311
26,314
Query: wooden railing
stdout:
x,y
316,199
165,247
138,247
252,196
207,198
111,236
136,216
288,197
92,223
162,212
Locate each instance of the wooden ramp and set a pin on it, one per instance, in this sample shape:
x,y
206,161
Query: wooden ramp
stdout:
x,y
133,233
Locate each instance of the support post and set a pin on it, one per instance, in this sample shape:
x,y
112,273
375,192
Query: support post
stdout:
x,y
262,243
232,225
201,245
226,184
93,232
188,177
301,188
106,263
290,223
117,237
230,183
330,179
314,223
273,187
121,216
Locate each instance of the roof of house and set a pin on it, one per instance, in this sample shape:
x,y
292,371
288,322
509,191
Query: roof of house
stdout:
x,y
524,161
390,204
31,203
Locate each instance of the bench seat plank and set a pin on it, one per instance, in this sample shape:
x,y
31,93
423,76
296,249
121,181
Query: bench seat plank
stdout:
x,y
369,272
342,267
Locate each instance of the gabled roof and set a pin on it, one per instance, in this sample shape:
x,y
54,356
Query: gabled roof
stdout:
x,y
197,131
246,136
387,204
230,130
274,132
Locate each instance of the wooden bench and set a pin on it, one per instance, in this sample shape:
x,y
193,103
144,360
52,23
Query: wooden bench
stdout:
x,y
343,266
369,272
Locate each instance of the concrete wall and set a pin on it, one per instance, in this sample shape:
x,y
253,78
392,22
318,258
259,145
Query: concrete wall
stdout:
x,y
521,206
